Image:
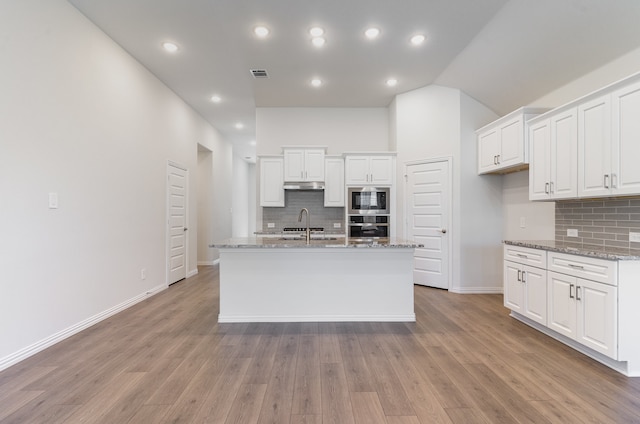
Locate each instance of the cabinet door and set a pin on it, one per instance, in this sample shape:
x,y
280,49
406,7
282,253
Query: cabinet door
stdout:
x,y
535,293
594,147
561,313
357,170
564,155
626,140
334,183
314,165
539,166
597,316
381,170
271,182
511,144
294,165
488,151
513,287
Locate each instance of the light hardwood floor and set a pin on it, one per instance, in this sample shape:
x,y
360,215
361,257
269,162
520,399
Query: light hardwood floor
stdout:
x,y
167,360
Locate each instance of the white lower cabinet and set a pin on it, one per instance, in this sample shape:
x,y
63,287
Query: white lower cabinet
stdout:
x,y
565,296
525,290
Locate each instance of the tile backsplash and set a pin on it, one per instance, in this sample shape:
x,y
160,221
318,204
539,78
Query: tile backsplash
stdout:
x,y
296,200
599,222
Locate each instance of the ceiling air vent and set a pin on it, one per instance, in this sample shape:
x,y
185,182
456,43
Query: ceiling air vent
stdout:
x,y
259,73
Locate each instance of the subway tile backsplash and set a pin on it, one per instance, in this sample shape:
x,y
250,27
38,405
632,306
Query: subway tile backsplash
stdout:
x,y
296,200
600,222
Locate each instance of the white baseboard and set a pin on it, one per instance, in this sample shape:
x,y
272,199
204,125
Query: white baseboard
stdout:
x,y
209,263
192,273
28,351
477,290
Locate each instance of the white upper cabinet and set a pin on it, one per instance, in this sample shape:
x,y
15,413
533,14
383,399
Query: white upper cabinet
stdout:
x,y
502,144
369,170
334,182
625,178
272,181
603,163
553,143
302,164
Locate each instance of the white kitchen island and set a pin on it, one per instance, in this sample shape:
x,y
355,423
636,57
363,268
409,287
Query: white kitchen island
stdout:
x,y
270,280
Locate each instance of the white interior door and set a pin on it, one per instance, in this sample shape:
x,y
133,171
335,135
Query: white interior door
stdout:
x,y
427,221
177,223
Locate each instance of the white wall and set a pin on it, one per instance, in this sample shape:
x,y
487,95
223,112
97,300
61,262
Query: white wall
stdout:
x,y
435,122
340,129
241,192
80,117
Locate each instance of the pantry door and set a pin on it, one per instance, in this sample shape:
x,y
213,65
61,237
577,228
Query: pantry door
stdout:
x,y
176,223
427,220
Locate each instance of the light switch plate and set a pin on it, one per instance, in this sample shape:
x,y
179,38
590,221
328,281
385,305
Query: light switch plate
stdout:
x,y
634,237
572,232
53,200
523,222
337,225
271,225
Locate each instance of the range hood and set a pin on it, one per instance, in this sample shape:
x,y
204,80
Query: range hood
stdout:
x,y
304,185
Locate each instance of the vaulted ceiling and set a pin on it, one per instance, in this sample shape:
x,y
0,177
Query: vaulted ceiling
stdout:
x,y
504,53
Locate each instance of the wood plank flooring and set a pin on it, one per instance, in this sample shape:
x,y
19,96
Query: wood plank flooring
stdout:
x,y
167,360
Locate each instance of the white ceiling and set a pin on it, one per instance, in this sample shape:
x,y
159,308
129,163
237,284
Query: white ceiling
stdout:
x,y
503,53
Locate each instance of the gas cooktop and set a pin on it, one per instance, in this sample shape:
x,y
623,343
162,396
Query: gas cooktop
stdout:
x,y
302,229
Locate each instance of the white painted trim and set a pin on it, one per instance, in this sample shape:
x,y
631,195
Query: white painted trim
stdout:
x,y
452,230
317,318
620,366
208,263
31,350
192,273
477,290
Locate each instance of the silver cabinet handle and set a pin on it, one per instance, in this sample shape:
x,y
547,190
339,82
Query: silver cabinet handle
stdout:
x,y
606,180
614,181
519,273
576,266
524,274
551,187
578,293
521,255
498,159
546,188
571,291
495,160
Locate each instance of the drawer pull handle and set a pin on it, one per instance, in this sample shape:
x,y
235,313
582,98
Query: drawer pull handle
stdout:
x,y
578,293
524,274
520,255
576,266
519,275
571,296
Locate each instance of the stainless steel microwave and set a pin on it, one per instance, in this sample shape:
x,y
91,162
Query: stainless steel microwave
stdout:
x,y
368,201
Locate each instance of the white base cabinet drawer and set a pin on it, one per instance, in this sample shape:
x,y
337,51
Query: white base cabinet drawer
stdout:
x,y
594,269
525,256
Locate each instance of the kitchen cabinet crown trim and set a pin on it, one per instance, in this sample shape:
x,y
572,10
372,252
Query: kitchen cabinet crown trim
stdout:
x,y
587,97
506,118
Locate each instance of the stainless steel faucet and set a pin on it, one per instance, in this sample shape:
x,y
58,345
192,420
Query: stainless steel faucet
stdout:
x,y
308,230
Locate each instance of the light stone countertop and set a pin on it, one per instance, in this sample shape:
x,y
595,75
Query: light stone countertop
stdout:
x,y
602,252
337,242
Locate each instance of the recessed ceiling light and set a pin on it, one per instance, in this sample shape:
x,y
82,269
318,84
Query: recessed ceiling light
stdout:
x,y
418,39
392,82
170,47
261,31
239,125
216,99
372,33
318,41
316,31
316,82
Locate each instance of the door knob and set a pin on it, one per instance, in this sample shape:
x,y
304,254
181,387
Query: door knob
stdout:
x,y
185,229
443,230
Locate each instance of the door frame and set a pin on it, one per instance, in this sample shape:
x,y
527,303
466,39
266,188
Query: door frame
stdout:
x,y
450,229
167,221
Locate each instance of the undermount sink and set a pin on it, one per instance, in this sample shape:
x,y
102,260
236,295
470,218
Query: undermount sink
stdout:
x,y
301,237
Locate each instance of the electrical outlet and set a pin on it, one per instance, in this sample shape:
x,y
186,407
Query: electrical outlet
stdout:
x,y
572,232
53,200
271,225
337,225
143,274
634,237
